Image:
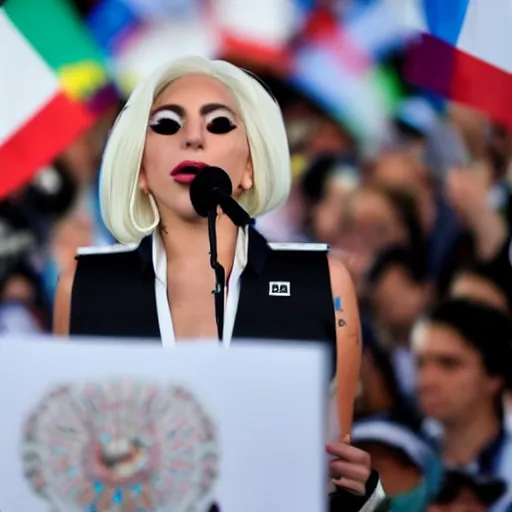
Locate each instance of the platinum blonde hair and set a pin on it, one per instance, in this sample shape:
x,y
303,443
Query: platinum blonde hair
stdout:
x,y
128,213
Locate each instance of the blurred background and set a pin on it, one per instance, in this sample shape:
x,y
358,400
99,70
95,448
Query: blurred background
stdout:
x,y
401,154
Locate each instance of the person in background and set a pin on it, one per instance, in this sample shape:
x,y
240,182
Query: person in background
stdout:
x,y
376,219
328,136
32,210
467,191
463,353
498,269
398,293
379,390
326,186
409,468
23,308
429,180
82,161
381,217
482,282
68,234
378,387
51,194
399,170
462,492
490,264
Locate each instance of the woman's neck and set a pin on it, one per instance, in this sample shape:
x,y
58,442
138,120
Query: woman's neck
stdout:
x,y
187,243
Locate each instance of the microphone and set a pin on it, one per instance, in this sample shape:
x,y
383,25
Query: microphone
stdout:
x,y
211,188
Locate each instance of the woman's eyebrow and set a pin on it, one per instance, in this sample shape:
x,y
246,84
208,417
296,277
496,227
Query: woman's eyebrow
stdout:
x,y
175,108
212,107
206,109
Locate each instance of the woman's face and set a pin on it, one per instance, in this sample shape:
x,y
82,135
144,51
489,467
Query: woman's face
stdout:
x,y
194,120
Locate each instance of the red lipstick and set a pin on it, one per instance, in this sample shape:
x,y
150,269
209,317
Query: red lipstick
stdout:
x,y
186,171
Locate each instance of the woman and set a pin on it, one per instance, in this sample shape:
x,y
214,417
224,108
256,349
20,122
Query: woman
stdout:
x,y
159,283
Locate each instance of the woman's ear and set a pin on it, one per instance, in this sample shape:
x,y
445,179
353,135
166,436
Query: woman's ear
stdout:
x,y
143,182
247,181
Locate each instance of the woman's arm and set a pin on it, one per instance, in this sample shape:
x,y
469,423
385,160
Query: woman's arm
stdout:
x,y
348,343
62,303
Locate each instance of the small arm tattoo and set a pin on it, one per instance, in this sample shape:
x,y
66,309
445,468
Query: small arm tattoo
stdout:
x,y
341,322
337,304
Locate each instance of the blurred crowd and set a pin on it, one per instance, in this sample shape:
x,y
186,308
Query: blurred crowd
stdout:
x,y
422,221
423,225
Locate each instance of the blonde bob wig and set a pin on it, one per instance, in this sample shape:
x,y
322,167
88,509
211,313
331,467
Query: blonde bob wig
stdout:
x,y
128,213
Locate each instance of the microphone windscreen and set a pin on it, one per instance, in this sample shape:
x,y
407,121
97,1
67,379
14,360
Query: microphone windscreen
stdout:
x,y
205,186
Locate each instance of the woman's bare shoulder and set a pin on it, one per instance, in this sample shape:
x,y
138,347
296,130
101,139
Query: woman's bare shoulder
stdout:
x,y
340,276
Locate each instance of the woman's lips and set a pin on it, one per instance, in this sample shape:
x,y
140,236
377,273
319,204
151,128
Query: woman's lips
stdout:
x,y
184,178
186,171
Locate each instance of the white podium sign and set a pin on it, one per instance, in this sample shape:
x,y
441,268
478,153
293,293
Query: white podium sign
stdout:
x,y
103,427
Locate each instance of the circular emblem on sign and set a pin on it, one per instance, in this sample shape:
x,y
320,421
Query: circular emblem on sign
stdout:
x,y
120,446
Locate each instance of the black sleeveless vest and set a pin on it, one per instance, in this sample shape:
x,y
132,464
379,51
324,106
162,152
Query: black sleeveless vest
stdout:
x,y
114,295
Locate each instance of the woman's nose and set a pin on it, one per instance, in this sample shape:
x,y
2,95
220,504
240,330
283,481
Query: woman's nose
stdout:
x,y
194,137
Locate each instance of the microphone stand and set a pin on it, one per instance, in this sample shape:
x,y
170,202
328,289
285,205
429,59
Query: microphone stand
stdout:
x,y
241,219
220,273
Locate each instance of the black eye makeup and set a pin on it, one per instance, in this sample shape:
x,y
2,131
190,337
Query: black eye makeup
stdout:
x,y
166,122
220,122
